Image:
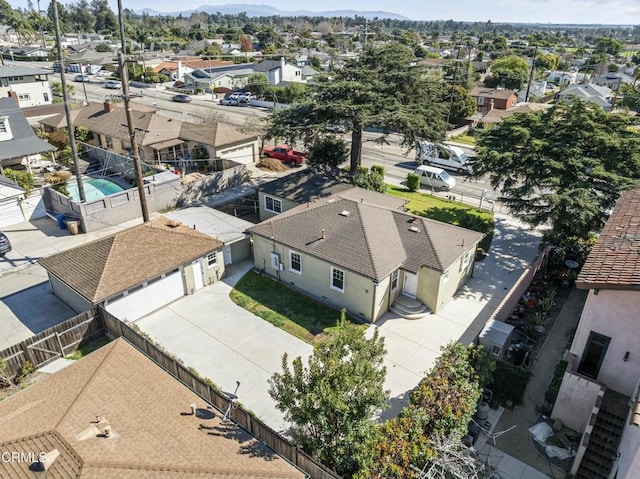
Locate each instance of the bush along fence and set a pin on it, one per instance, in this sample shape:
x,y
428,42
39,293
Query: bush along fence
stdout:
x,y
218,399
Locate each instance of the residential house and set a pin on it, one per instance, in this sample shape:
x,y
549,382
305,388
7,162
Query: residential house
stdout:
x,y
116,413
363,255
29,86
489,98
137,270
534,89
599,95
26,52
161,139
599,394
561,77
278,71
176,69
613,80
19,145
228,77
496,116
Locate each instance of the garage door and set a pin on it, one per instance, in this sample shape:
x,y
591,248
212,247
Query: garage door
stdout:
x,y
242,155
10,212
142,301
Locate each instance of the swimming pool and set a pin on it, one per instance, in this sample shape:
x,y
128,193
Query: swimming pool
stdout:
x,y
94,188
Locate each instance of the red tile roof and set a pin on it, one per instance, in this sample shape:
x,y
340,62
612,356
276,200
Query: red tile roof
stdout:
x,y
614,261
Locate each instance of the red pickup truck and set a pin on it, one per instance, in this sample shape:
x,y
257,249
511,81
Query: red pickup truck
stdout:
x,y
285,154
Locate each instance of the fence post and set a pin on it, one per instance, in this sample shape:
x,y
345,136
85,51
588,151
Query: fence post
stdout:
x,y
60,344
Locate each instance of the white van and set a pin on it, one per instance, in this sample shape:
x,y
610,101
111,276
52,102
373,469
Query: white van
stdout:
x,y
435,178
446,156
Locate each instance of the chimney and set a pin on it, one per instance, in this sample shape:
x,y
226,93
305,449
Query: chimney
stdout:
x,y
14,95
324,234
109,106
491,104
282,63
193,408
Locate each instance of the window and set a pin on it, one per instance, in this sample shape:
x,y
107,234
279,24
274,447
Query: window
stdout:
x,y
3,125
480,100
295,262
272,204
4,81
394,280
212,260
337,279
24,96
466,259
593,355
46,96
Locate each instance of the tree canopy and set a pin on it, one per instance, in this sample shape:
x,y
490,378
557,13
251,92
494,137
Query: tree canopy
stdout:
x,y
509,72
331,402
562,168
383,89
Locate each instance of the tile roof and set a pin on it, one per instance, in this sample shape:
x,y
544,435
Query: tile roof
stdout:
x,y
152,434
103,268
24,141
614,261
367,238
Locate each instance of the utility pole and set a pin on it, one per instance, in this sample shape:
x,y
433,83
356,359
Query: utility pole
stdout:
x,y
67,108
533,65
453,92
124,76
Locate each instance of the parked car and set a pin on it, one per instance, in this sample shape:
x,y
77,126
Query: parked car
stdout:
x,y
104,73
83,78
113,85
246,96
5,244
181,98
285,154
445,156
435,178
229,101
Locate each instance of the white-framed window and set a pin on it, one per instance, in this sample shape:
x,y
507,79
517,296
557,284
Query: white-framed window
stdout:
x,y
466,259
394,280
272,204
24,96
3,125
337,279
46,96
295,262
445,277
212,260
480,100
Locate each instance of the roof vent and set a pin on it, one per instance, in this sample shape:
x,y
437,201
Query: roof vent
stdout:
x,y
414,229
345,213
172,224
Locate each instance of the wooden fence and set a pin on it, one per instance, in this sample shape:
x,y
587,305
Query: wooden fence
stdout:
x,y
219,400
53,343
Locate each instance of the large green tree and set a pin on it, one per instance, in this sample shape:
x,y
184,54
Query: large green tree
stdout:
x,y
384,88
509,72
563,167
331,402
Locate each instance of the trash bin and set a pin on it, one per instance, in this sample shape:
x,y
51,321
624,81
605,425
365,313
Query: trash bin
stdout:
x,y
61,221
73,226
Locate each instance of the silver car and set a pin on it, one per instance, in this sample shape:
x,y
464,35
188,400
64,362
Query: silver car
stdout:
x,y
5,244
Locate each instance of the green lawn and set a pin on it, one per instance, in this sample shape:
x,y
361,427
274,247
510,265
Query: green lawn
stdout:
x,y
289,310
464,139
89,348
440,209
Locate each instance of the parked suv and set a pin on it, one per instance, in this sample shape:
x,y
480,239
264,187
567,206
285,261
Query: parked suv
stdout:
x,y
5,244
285,154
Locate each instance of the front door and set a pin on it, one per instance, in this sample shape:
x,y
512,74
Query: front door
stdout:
x,y
410,285
197,274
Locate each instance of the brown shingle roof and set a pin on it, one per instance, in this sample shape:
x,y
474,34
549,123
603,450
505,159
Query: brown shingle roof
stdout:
x,y
111,265
614,261
152,437
498,93
366,238
496,116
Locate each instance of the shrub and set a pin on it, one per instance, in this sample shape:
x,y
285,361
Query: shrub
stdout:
x,y
23,179
377,169
26,369
413,182
510,382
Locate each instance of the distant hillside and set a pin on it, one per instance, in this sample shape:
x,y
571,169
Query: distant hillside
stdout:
x,y
267,11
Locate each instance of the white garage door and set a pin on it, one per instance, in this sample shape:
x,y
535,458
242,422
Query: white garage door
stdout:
x,y
143,301
242,155
10,213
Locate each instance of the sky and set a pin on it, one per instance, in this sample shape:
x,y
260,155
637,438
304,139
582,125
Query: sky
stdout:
x,y
618,12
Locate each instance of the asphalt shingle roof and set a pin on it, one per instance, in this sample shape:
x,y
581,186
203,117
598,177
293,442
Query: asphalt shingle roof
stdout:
x,y
367,238
492,92
614,261
103,268
24,142
18,70
152,437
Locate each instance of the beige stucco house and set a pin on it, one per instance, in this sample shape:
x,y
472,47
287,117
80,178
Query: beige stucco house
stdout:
x,y
359,251
599,394
137,270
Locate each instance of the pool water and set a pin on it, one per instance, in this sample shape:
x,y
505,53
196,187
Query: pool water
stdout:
x,y
94,188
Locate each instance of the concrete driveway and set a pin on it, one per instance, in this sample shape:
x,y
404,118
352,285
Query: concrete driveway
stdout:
x,y
227,344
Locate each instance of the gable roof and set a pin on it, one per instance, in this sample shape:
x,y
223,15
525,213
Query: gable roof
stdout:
x,y
24,141
614,261
367,238
17,70
497,93
152,437
103,268
496,115
588,91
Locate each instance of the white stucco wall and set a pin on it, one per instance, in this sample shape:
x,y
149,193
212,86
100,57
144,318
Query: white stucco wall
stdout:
x,y
629,449
575,401
31,88
613,313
